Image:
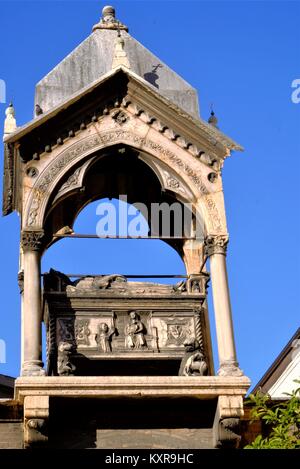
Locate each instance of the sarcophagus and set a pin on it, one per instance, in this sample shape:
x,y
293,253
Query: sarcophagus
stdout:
x,y
107,325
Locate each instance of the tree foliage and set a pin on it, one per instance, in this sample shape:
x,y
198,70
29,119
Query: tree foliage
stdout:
x,y
282,419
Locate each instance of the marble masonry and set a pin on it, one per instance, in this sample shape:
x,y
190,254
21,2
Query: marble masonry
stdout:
x,y
127,363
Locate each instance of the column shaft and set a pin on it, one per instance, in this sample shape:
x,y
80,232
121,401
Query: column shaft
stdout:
x,y
32,314
216,250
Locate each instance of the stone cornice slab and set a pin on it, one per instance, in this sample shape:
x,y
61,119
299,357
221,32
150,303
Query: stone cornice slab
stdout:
x,y
205,387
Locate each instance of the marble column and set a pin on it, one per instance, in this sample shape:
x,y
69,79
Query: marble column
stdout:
x,y
21,288
216,251
32,364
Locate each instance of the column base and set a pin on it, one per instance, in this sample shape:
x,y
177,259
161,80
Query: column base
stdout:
x,y
33,368
230,368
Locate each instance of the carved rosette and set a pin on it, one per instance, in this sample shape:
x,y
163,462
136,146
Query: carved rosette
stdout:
x,y
32,240
216,245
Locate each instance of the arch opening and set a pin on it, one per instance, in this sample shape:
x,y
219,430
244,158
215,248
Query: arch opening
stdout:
x,y
120,173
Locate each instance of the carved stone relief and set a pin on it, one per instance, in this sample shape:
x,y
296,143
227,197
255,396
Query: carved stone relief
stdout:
x,y
99,283
32,240
74,181
193,362
119,117
65,330
121,332
229,429
216,245
172,332
82,332
94,317
135,332
104,337
65,367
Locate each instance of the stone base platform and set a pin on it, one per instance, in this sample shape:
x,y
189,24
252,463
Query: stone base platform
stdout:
x,y
179,412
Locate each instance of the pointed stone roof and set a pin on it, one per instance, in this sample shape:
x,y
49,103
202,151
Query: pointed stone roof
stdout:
x,y
93,58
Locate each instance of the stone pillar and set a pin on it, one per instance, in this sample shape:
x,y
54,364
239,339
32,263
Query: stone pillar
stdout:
x,y
216,250
21,287
32,316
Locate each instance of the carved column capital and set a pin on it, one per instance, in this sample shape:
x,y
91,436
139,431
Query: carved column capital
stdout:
x,y
216,245
32,240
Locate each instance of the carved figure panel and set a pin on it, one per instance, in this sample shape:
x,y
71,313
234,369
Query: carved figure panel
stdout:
x,y
82,332
111,318
135,332
104,337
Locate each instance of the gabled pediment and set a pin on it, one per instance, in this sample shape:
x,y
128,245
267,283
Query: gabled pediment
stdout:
x,y
121,87
119,92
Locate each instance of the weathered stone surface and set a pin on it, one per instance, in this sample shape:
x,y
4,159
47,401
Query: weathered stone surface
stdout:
x,y
109,318
132,386
93,58
11,434
167,438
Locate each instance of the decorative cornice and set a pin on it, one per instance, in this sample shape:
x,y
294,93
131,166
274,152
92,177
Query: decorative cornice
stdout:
x,y
181,129
216,245
32,240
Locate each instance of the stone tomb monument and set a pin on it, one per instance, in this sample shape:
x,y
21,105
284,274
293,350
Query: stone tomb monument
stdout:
x,y
129,364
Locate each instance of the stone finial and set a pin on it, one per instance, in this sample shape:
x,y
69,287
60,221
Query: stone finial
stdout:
x,y
213,119
120,56
10,124
109,21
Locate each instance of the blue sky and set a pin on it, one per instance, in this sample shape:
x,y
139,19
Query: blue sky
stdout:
x,y
243,57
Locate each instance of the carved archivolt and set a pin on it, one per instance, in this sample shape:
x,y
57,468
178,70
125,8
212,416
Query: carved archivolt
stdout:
x,y
74,181
168,179
50,177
